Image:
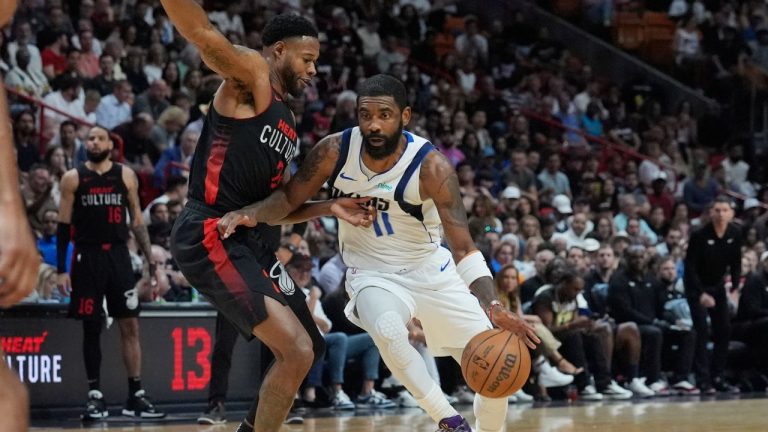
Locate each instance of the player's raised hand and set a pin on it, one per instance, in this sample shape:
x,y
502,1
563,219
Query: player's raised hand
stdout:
x,y
230,221
19,258
354,211
7,8
507,320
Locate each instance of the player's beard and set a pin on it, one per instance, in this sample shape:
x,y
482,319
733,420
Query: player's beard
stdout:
x,y
97,157
389,146
291,80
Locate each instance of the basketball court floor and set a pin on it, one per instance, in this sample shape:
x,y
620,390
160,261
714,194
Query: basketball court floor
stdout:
x,y
744,413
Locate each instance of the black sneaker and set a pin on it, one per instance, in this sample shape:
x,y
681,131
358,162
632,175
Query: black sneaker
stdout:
x,y
96,407
215,414
139,405
724,386
294,419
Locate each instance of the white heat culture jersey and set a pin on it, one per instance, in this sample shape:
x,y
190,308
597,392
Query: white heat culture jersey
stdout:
x,y
407,229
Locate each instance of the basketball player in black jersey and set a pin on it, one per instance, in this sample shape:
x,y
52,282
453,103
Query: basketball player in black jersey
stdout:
x,y
247,142
95,200
19,259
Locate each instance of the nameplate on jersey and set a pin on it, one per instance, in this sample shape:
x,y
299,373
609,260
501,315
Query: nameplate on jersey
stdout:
x,y
280,138
380,204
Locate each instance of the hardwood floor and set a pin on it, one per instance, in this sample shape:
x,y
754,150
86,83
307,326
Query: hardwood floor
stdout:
x,y
739,415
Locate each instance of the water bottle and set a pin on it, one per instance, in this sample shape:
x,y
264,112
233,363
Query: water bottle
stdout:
x,y
195,298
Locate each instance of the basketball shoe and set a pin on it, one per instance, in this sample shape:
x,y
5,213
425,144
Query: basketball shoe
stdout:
x,y
456,423
139,405
96,407
215,414
375,400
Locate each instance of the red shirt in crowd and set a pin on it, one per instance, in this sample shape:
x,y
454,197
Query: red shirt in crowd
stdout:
x,y
58,61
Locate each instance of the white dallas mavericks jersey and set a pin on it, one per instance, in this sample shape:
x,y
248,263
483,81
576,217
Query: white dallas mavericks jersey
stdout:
x,y
407,229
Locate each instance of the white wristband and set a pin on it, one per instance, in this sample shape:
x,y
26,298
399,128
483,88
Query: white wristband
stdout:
x,y
472,267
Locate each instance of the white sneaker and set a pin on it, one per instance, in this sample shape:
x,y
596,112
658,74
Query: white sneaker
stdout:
x,y
660,388
341,401
590,394
616,392
464,396
406,400
522,396
638,387
512,399
390,382
685,388
549,376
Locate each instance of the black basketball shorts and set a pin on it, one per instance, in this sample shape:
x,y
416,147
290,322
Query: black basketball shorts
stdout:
x,y
99,272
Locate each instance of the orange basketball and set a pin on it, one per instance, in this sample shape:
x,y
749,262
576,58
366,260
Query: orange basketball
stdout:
x,y
496,363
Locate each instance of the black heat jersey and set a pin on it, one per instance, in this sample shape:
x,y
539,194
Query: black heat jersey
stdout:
x,y
101,207
241,161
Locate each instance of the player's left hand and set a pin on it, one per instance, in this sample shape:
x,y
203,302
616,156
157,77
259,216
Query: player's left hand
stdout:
x,y
507,320
354,211
232,220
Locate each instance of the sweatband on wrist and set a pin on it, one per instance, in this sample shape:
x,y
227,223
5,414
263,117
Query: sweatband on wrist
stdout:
x,y
472,267
62,243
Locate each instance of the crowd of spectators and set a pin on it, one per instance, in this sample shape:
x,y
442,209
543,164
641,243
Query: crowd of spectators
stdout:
x,y
524,121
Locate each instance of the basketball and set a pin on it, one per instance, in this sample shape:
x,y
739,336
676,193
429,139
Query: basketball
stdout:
x,y
496,363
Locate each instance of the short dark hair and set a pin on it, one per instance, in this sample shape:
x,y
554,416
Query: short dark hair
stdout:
x,y
67,123
723,199
384,85
104,128
175,181
286,26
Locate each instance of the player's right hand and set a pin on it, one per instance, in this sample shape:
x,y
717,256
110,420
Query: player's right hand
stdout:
x,y
19,258
64,284
354,211
230,221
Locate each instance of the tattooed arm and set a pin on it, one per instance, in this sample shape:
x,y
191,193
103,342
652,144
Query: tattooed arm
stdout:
x,y
287,204
243,66
440,183
137,220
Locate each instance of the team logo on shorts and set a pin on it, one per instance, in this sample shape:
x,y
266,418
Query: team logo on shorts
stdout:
x,y
131,299
283,280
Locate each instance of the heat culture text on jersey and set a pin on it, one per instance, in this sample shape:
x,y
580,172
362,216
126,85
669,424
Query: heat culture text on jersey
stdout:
x,y
280,138
101,196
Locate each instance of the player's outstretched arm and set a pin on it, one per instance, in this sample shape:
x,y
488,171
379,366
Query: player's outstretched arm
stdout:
x,y
19,259
440,183
288,203
243,66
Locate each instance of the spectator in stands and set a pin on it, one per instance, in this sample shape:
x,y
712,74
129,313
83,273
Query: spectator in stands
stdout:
x,y
483,217
74,151
54,55
171,121
736,171
180,154
628,209
674,310
153,101
25,79
25,39
104,82
660,197
88,67
114,109
632,297
700,191
553,181
46,243
390,55
65,99
38,196
751,322
472,42
532,284
139,150
175,189
25,138
559,305
134,69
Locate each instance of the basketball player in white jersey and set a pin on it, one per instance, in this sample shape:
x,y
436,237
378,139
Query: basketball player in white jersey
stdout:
x,y
397,268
